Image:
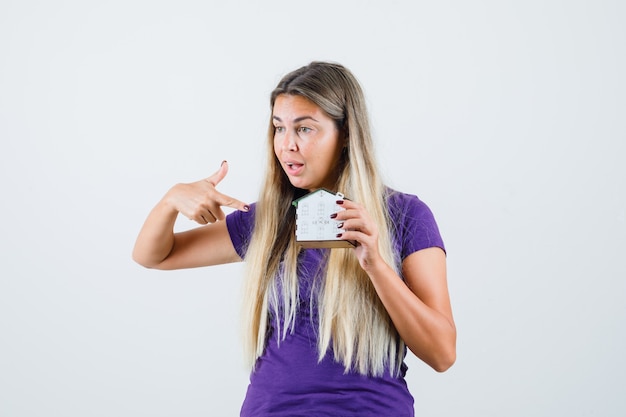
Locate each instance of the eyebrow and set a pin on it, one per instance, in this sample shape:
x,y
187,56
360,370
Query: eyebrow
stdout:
x,y
297,119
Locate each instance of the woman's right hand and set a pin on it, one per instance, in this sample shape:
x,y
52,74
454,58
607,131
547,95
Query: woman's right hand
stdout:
x,y
157,246
200,201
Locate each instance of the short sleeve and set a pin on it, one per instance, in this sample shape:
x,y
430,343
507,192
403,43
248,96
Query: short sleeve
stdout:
x,y
414,225
240,225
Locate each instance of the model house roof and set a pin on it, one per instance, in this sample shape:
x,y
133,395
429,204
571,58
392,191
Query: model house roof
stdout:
x,y
319,190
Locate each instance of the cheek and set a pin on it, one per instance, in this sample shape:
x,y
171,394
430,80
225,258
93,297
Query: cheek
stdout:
x,y
334,153
276,148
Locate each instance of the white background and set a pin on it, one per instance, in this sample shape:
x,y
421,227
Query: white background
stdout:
x,y
507,118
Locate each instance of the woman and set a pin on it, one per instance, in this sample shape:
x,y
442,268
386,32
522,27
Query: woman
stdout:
x,y
326,330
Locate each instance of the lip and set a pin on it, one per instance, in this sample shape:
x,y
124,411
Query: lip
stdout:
x,y
293,167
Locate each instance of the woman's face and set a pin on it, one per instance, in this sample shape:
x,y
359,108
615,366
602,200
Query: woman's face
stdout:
x,y
306,142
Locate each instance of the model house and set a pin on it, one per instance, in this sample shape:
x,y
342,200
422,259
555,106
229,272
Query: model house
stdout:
x,y
314,227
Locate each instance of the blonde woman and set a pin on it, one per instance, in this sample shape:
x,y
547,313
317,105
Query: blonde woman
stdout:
x,y
326,330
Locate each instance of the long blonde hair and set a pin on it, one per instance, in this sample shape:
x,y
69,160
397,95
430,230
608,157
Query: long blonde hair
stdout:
x,y
351,316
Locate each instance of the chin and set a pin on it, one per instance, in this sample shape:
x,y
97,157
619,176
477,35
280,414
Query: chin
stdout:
x,y
300,184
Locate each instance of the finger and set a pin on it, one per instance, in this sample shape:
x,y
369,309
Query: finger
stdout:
x,y
227,201
203,218
356,237
345,214
347,204
219,174
209,217
353,224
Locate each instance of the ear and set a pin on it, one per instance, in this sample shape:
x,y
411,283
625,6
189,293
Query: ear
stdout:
x,y
346,146
345,135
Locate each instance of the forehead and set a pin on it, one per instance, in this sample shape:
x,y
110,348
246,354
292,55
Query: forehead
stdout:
x,y
287,106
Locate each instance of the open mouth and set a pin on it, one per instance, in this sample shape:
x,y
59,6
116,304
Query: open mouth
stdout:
x,y
293,167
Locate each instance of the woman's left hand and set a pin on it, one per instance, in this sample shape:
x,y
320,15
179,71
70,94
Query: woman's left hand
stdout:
x,y
359,227
418,304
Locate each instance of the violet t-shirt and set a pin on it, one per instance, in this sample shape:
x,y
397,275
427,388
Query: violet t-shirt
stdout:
x,y
288,379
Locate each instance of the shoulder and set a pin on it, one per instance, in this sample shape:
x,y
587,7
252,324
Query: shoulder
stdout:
x,y
412,223
403,204
240,225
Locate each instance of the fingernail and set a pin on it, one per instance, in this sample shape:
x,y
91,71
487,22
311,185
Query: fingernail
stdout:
x,y
339,201
340,225
246,208
332,216
223,162
339,234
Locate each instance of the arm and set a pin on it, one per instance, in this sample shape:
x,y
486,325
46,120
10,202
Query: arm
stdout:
x,y
157,245
420,308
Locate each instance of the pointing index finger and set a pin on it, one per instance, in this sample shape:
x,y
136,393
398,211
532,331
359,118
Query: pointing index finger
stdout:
x,y
227,201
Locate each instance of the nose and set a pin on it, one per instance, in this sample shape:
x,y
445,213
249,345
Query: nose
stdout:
x,y
289,142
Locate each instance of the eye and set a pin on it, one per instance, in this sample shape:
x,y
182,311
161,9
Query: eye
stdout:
x,y
304,129
279,129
